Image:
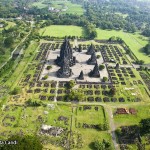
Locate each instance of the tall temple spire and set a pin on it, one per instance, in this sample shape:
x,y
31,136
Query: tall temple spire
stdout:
x,y
90,50
64,71
92,60
95,72
66,52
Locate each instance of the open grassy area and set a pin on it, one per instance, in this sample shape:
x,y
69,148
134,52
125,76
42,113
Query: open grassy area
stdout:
x,y
61,31
143,112
40,5
10,24
91,116
135,41
61,5
30,119
22,65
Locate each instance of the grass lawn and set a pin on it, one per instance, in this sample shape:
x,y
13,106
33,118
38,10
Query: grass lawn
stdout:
x,y
22,65
60,110
143,112
135,41
70,7
90,135
40,5
10,24
91,116
61,31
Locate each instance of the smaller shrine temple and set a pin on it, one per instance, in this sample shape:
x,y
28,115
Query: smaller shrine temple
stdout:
x,y
95,72
90,50
117,66
92,60
81,76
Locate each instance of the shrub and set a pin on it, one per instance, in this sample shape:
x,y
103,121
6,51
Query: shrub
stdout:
x,y
49,67
45,77
105,79
15,91
101,67
70,84
98,56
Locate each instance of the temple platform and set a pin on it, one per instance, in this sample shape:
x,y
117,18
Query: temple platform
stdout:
x,y
81,65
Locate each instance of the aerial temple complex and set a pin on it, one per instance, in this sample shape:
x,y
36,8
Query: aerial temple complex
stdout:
x,y
66,61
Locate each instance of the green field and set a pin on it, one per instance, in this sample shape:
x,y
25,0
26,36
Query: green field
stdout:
x,y
61,31
10,24
135,41
26,119
126,120
71,8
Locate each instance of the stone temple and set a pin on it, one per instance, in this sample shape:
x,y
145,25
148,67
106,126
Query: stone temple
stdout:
x,y
95,72
92,60
90,50
70,64
64,71
66,52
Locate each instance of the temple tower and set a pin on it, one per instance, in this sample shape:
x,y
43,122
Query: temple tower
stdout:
x,y
66,52
64,71
90,50
81,76
95,72
92,60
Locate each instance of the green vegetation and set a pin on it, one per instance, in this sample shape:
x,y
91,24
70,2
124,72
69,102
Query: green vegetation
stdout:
x,y
49,67
105,79
147,49
104,145
70,84
101,67
23,143
15,91
90,31
74,95
39,4
63,6
61,31
136,42
142,113
45,77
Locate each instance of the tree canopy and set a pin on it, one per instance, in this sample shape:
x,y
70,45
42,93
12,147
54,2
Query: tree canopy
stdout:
x,y
23,143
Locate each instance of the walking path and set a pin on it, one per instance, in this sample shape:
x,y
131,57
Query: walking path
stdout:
x,y
55,98
112,127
